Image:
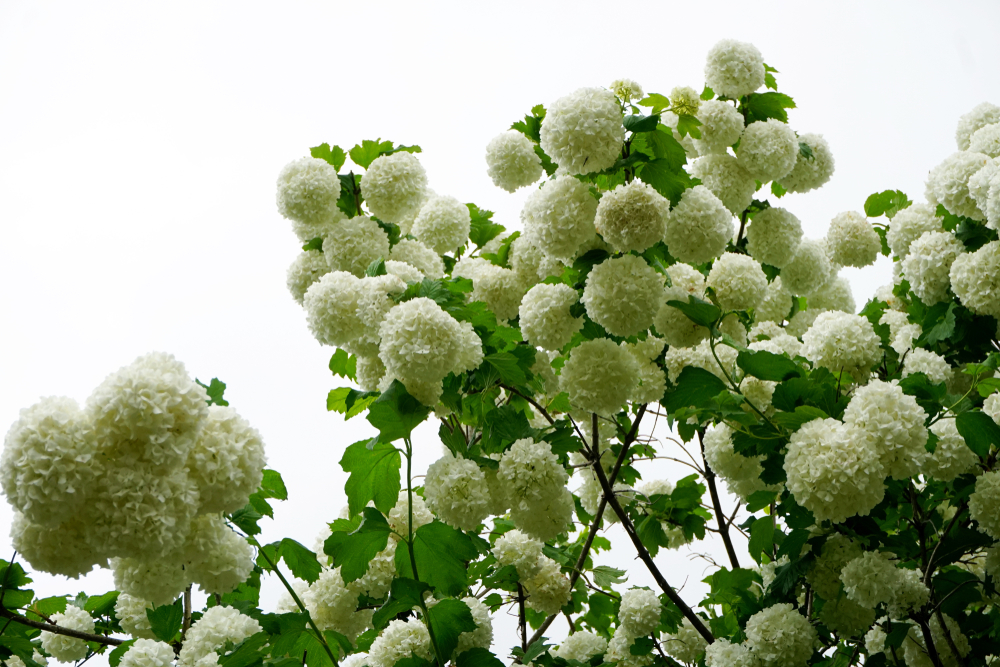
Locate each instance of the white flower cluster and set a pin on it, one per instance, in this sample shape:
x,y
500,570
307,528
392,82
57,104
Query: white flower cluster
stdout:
x,y
851,240
61,647
535,482
131,613
842,343
734,69
332,604
394,186
773,236
442,224
500,289
347,311
582,132
148,653
721,127
599,376
948,183
779,636
872,579
580,645
419,256
399,515
548,591
928,263
835,295
933,365
512,162
520,550
559,217
622,294
768,150
982,115
217,626
546,320
632,217
910,224
984,504
951,457
808,269
308,190
722,174
975,279
482,636
687,644
699,227
130,476
738,281
354,244
741,473
810,173
399,640
306,269
626,89
824,577
895,424
455,490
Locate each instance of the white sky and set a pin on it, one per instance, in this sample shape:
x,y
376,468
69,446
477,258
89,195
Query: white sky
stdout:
x,y
139,145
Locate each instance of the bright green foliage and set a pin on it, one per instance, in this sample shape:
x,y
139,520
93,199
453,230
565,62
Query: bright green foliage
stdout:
x,y
374,474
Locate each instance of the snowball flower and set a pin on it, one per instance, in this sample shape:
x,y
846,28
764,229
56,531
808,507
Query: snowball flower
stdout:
x,y
721,126
215,557
131,613
308,267
934,366
500,289
842,343
975,279
779,636
686,645
622,294
455,490
984,504
773,236
910,224
419,256
345,311
421,344
723,653
482,636
354,244
405,272
545,315
632,216
442,224
846,617
599,376
722,174
928,263
851,240
776,305
768,150
894,421
951,457
158,581
68,548
548,590
582,132
639,613
981,115
835,295
217,626
824,577
395,186
545,520
834,470
738,281
399,515
699,227
61,647
308,190
580,645
511,161
531,472
559,216
148,653
332,604
520,550
808,270
986,140
226,461
810,173
734,69
948,183
626,89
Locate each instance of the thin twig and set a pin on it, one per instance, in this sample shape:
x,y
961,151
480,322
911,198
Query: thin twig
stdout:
x,y
58,629
717,504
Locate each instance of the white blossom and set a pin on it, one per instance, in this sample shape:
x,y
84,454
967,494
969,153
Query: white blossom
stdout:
x,y
354,244
984,504
419,256
842,343
779,636
910,224
559,216
734,69
948,183
773,236
851,240
738,281
455,490
721,126
975,279
395,186
546,320
61,647
308,190
812,172
722,174
768,150
511,161
308,267
808,270
699,227
632,216
599,376
582,132
442,224
951,457
399,640
622,294
894,421
982,114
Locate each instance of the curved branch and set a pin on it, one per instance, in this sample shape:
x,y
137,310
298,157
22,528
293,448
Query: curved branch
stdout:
x,y
58,629
717,504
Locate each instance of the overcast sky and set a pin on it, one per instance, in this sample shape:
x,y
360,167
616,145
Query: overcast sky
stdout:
x,y
139,145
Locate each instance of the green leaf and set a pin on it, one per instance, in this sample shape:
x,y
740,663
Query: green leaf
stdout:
x,y
641,646
531,126
395,414
448,619
895,637
376,268
883,241
640,123
165,621
656,101
334,155
698,311
501,257
802,414
806,151
478,657
506,366
687,124
758,500
887,203
352,552
349,402
778,190
97,605
404,595
344,365
246,519
301,561
761,106
313,244
350,196
365,153
442,554
767,365
215,389
248,652
695,387
770,81
482,229
669,182
979,431
435,290
374,475
707,94
605,576
116,655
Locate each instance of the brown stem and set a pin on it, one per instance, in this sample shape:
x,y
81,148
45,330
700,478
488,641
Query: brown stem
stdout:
x,y
520,618
187,611
925,630
58,629
948,638
356,191
719,516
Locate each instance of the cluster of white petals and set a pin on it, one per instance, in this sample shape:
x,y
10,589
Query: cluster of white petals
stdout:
x,y
951,457
948,183
810,173
546,320
975,279
851,240
776,305
346,311
842,343
455,490
895,423
217,626
394,187
741,473
548,591
722,174
768,150
61,647
500,289
559,217
582,132
399,515
723,653
984,504
773,236
442,224
131,613
986,140
354,244
699,227
933,365
721,126
982,114
639,612
824,577
520,550
779,636
148,653
226,461
928,263
846,617
482,636
308,190
734,69
632,217
686,645
399,640
308,267
835,295
910,224
626,89
808,269
599,376
419,256
622,294
738,281
332,604
580,645
511,161
872,579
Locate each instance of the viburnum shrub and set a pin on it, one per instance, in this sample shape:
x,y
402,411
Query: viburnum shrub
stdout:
x,y
655,274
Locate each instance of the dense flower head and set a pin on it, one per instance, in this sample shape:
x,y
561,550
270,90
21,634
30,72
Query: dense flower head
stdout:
x,y
834,295
399,515
722,174
354,244
226,461
405,272
834,470
500,289
779,636
674,326
851,240
951,457
582,132
531,264
910,224
933,365
531,471
395,186
455,490
308,190
741,473
599,376
580,645
546,519
559,216
70,549
723,653
824,577
520,550
686,645
699,227
992,210
768,150
982,114
984,504
721,127
419,256
442,224
622,294
928,263
986,140
842,343
894,421
872,579
148,653
738,281
308,267
482,636
548,590
846,617
159,581
812,172
808,270
345,311
61,647
639,613
131,613
546,320
773,236
734,69
632,216
511,161
626,89
948,183
975,279
217,626
332,604
421,344
215,557
777,303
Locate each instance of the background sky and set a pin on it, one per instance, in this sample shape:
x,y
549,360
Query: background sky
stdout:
x,y
140,142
